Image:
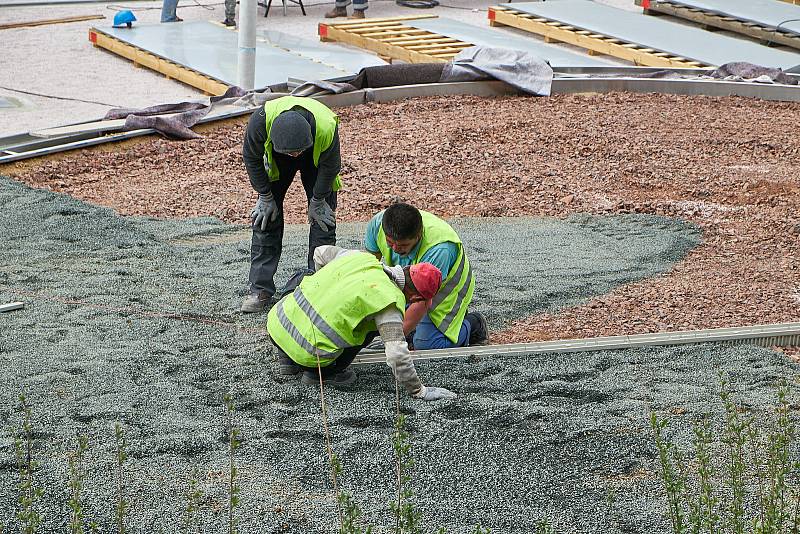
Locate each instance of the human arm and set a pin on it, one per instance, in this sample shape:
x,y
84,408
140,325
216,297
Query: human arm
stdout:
x,y
253,152
398,357
330,164
414,314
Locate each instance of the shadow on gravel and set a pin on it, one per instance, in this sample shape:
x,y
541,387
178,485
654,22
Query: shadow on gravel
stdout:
x,y
135,321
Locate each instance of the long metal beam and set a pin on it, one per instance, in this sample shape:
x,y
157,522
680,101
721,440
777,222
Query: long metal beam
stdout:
x,y
568,81
787,334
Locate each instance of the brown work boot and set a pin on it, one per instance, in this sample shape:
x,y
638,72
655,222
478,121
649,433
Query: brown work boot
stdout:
x,y
336,12
358,14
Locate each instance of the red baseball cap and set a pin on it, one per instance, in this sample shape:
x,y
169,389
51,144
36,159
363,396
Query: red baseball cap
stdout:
x,y
427,278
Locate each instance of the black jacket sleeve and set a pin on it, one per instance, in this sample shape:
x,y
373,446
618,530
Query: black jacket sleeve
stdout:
x,y
330,164
253,151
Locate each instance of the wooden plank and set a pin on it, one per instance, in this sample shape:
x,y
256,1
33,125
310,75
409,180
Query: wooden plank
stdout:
x,y
158,64
358,22
334,33
45,22
593,42
438,46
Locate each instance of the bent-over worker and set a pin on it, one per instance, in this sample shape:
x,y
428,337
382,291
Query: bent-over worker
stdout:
x,y
338,310
404,235
289,134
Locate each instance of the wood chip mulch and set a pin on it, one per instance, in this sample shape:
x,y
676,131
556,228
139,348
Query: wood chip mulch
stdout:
x,y
728,164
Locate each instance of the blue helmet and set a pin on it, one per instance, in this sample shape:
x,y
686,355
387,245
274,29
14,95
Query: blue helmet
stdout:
x,y
124,18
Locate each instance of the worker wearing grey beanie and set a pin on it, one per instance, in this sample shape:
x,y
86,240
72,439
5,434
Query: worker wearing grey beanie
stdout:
x,y
289,134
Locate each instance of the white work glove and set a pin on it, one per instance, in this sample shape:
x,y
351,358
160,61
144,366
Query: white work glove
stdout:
x,y
266,210
430,393
321,213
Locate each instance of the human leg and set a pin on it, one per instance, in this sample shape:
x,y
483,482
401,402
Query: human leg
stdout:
x,y
230,13
428,337
359,8
169,11
316,235
339,10
337,373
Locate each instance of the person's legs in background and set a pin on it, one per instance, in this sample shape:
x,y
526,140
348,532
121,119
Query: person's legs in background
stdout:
x,y
169,11
230,13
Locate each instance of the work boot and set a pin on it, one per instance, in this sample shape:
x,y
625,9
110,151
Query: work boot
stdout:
x,y
229,23
479,330
358,14
256,301
286,366
341,379
336,12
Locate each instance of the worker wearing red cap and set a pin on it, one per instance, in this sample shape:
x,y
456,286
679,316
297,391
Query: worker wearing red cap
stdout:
x,y
404,235
338,310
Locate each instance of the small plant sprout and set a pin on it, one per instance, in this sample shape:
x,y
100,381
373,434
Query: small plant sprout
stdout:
x,y
673,480
233,444
77,474
351,513
194,496
122,503
29,493
407,518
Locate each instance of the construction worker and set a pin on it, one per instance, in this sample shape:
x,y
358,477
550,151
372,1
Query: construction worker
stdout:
x,y
289,134
404,235
338,310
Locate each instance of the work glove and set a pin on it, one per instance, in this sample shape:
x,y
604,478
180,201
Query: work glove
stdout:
x,y
265,212
321,213
430,393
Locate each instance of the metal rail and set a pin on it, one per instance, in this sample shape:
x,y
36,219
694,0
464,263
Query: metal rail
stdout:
x,y
786,334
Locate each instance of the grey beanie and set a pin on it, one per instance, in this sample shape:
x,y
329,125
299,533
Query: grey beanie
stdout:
x,y
290,132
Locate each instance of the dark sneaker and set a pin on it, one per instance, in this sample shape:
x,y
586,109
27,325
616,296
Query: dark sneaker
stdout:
x,y
286,366
479,330
256,301
342,379
229,22
336,12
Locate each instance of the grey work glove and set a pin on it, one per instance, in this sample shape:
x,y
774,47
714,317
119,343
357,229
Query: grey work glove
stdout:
x,y
430,393
321,213
266,210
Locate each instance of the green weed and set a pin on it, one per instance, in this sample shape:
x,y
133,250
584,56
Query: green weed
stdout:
x,y
77,474
194,496
29,493
122,505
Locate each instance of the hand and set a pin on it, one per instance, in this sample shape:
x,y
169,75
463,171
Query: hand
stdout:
x,y
430,393
266,210
321,213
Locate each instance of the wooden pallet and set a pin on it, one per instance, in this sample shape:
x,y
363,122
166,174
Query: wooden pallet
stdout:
x,y
713,21
391,38
46,22
554,31
143,58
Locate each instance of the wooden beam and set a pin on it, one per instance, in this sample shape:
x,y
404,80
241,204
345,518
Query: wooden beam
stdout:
x,y
144,58
44,22
593,42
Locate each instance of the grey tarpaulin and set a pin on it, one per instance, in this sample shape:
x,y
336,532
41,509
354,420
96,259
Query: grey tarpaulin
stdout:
x,y
175,120
522,70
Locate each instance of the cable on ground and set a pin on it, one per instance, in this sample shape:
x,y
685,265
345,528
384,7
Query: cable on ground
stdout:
x,y
60,97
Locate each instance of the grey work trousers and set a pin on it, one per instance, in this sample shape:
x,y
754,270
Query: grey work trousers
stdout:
x,y
230,9
266,246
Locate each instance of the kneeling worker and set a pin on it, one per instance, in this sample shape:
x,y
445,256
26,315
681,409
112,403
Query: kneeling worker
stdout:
x,y
404,235
337,311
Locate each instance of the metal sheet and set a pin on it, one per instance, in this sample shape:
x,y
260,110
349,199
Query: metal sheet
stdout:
x,y
661,35
212,50
331,54
557,56
768,13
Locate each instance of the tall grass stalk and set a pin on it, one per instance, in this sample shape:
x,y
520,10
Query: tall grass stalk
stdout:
x,y
121,508
674,481
29,493
735,434
77,475
233,445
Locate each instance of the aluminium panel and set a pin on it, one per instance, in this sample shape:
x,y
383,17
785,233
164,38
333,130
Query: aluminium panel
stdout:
x,y
556,55
349,60
212,50
657,34
767,13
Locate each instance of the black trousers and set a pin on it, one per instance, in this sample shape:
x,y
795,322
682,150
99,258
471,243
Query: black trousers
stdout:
x,y
339,364
266,246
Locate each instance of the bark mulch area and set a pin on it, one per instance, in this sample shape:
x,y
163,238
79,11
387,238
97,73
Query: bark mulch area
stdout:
x,y
728,164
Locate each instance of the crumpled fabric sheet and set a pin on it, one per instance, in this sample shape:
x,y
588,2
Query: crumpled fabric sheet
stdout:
x,y
175,121
741,71
521,70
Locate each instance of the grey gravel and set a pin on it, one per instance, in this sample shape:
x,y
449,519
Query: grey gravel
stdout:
x,y
135,321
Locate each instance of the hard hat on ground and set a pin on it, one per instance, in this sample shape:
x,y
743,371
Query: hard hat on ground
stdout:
x,y
427,278
124,19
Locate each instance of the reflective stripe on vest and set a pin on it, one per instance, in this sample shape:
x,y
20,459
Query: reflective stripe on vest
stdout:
x,y
449,305
297,336
318,321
